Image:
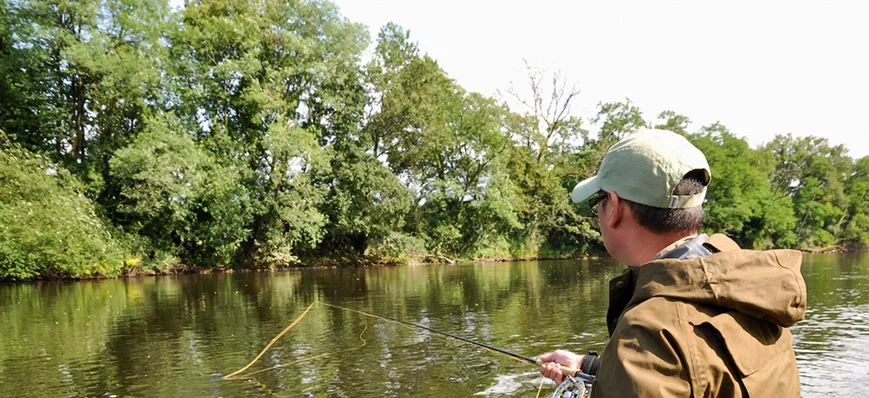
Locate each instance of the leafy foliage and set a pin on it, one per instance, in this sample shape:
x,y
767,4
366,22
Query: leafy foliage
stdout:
x,y
47,226
178,197
251,133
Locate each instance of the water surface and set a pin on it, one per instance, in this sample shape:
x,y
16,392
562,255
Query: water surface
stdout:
x,y
177,336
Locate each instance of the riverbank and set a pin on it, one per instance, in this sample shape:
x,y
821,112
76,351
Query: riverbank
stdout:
x,y
836,249
139,269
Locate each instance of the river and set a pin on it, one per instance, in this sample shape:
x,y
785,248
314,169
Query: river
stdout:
x,y
179,335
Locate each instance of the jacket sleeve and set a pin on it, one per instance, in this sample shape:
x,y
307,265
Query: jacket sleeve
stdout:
x,y
590,363
642,359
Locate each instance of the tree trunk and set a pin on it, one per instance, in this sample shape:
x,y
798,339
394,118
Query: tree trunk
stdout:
x,y
78,118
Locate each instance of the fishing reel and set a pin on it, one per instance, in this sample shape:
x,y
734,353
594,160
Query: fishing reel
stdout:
x,y
576,386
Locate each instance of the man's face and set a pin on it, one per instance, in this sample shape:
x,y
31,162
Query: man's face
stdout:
x,y
605,213
597,204
602,225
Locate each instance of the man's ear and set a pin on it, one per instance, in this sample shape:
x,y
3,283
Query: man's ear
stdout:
x,y
615,210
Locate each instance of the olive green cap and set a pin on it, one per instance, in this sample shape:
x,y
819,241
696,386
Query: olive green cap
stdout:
x,y
645,167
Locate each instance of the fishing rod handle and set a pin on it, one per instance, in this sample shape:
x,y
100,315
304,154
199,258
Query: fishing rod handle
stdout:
x,y
565,370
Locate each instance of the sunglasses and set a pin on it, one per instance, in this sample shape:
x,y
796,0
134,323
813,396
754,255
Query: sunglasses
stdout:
x,y
595,201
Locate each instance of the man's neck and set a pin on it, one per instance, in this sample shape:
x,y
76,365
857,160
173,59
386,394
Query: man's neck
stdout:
x,y
652,244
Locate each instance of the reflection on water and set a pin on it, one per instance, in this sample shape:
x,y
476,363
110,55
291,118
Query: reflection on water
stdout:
x,y
172,336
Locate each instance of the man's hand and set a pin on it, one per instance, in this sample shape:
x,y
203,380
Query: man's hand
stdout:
x,y
553,361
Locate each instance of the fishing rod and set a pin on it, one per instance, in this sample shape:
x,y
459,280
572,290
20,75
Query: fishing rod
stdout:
x,y
534,361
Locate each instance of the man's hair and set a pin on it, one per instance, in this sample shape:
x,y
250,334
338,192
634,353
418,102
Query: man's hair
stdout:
x,y
661,220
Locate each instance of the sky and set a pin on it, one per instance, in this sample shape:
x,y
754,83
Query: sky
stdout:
x,y
759,67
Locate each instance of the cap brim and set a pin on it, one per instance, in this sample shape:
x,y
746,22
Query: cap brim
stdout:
x,y
585,189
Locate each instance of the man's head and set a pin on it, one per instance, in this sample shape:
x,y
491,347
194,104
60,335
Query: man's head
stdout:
x,y
651,186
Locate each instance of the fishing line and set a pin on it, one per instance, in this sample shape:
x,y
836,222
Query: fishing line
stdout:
x,y
247,376
283,365
269,345
517,357
574,382
540,389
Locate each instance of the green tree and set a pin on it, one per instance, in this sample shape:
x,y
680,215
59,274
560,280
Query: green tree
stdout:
x,y
618,119
856,226
546,160
251,133
467,203
366,205
83,73
812,174
179,198
444,144
35,109
739,200
672,121
267,86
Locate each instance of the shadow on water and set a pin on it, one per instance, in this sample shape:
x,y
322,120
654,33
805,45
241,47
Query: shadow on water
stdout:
x,y
170,336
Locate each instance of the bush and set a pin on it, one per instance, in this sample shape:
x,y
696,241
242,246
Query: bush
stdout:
x,y
398,247
48,228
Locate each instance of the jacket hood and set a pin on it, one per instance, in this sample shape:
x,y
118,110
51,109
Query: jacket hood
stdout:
x,y
765,285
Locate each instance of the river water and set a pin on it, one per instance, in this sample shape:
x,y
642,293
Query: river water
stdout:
x,y
179,335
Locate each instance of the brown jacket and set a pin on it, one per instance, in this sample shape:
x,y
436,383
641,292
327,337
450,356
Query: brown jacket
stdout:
x,y
705,327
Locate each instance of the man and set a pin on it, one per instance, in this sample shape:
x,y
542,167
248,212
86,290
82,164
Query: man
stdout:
x,y
693,315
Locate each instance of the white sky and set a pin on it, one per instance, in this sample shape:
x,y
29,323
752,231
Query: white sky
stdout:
x,y
760,67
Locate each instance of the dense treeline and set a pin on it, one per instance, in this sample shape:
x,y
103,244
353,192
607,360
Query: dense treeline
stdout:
x,y
258,133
